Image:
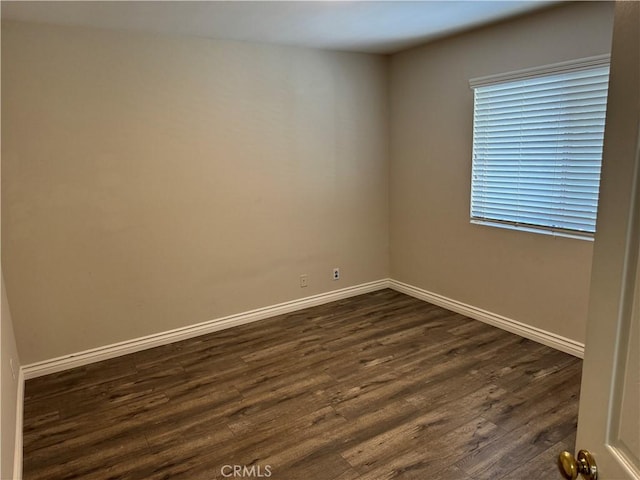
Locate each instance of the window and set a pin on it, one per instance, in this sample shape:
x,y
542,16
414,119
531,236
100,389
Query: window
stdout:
x,y
537,148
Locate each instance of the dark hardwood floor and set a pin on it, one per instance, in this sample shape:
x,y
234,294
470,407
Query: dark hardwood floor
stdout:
x,y
374,387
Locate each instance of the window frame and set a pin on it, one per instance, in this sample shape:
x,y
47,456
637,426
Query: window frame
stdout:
x,y
556,68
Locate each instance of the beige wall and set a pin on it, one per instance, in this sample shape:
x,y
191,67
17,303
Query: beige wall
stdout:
x,y
152,182
536,279
9,396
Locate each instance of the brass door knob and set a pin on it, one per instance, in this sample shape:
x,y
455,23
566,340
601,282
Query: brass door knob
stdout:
x,y
584,465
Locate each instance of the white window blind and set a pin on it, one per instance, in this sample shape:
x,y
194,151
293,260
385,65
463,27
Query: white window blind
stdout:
x,y
537,149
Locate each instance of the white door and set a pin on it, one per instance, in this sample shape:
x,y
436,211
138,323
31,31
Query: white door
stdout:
x,y
609,418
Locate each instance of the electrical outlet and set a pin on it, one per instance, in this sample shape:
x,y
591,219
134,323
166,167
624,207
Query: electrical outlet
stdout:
x,y
336,273
304,281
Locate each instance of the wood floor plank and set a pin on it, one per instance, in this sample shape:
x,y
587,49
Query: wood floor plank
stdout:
x,y
380,386
503,455
426,461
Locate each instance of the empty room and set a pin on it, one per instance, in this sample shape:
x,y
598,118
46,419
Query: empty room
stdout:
x,y
332,240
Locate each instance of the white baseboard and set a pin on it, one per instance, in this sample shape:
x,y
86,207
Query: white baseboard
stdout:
x,y
17,453
532,333
66,362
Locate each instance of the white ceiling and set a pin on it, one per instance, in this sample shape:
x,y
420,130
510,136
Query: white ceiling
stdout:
x,y
362,26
